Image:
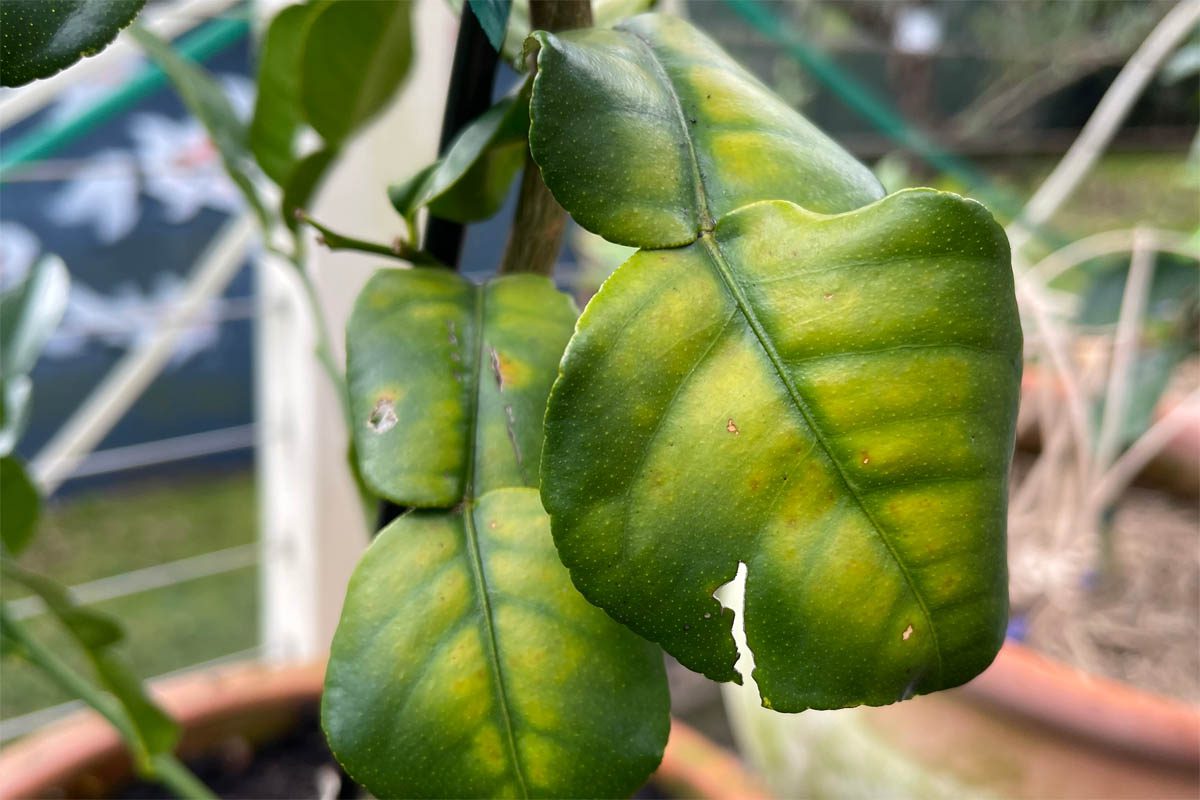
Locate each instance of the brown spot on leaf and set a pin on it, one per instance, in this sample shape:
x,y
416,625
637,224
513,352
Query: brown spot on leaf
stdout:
x,y
731,427
907,632
497,372
383,416
866,457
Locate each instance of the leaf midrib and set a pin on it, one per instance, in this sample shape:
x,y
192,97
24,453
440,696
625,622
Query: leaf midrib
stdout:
x,y
704,215
472,537
706,225
768,346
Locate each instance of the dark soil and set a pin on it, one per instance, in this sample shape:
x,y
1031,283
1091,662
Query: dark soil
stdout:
x,y
294,767
297,767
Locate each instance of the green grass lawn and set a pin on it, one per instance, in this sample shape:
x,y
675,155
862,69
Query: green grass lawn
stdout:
x,y
108,532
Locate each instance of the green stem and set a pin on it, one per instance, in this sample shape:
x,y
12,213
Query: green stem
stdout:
x,y
398,249
174,774
175,777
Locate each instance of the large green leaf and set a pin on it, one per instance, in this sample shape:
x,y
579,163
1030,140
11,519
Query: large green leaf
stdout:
x,y
207,102
41,37
466,665
829,400
20,505
446,376
355,57
648,133
471,181
303,182
278,118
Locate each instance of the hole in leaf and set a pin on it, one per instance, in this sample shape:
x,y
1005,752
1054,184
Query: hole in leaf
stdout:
x,y
732,595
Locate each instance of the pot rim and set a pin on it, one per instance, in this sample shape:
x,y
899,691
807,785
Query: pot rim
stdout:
x,y
692,764
1100,709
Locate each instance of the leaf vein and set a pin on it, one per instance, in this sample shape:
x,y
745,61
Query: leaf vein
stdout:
x,y
472,537
725,272
636,475
704,212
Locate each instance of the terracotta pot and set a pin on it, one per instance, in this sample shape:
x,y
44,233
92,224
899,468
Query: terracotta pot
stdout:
x,y
81,756
1033,727
1027,728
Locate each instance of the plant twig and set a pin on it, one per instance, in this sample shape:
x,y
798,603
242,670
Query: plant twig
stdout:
x,y
399,248
1109,243
1122,472
173,774
1125,347
1054,344
538,227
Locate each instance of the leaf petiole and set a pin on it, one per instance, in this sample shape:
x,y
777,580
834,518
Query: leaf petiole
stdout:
x,y
399,248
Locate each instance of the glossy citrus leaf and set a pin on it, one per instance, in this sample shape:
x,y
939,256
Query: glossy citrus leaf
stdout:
x,y
356,56
830,400
405,196
41,37
446,377
472,180
649,132
466,665
20,505
303,181
278,119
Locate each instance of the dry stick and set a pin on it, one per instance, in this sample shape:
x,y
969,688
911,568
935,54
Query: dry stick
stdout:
x,y
1132,461
1110,243
1098,131
1053,340
1103,124
1055,438
1125,348
538,227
